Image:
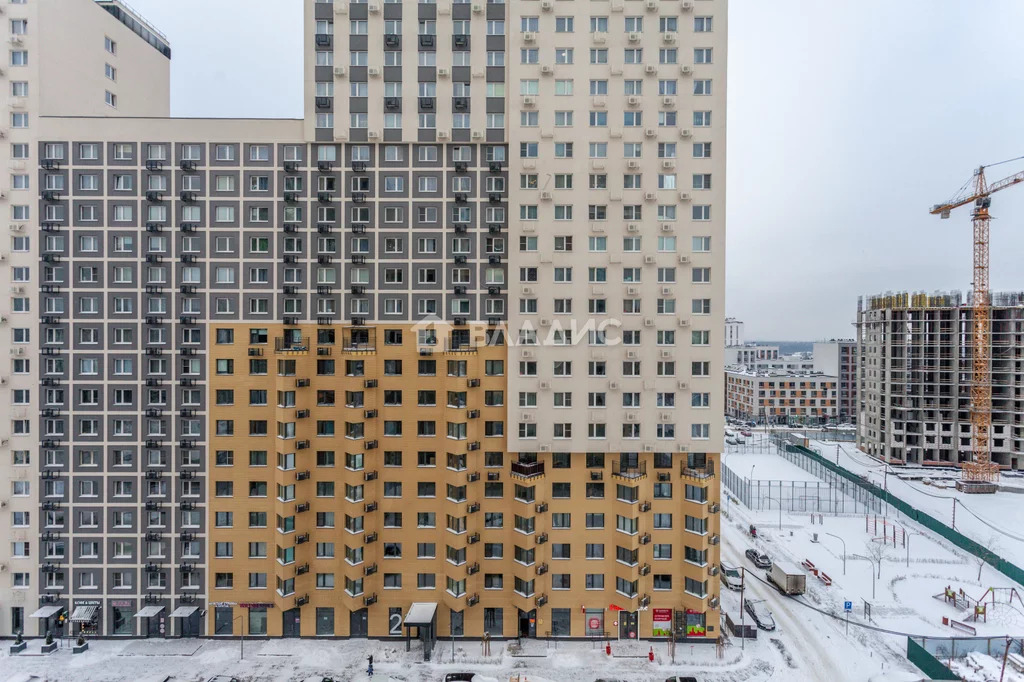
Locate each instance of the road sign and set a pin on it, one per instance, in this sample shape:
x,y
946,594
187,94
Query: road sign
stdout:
x,y
848,606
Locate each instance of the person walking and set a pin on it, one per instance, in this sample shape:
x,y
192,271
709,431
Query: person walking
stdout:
x,y
369,667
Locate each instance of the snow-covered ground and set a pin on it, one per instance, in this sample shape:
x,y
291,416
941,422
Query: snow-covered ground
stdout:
x,y
977,667
991,520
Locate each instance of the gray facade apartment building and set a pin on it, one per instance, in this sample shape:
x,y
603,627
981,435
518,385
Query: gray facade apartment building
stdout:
x,y
456,161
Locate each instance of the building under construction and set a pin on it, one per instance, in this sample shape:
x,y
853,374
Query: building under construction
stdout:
x,y
914,377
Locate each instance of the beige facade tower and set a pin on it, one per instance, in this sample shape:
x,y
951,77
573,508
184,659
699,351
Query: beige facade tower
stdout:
x,y
452,339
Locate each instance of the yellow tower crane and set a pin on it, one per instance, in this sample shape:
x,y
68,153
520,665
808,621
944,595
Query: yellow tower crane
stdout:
x,y
980,467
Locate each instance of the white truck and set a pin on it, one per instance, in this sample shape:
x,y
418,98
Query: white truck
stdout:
x,y
788,578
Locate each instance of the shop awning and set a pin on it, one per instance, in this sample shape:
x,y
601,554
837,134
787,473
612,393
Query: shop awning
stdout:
x,y
149,611
184,611
83,614
420,613
47,611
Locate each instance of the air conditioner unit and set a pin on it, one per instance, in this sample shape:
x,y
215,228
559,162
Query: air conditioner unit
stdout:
x,y
648,321
529,36
374,7
477,135
613,385
649,259
373,71
547,5
545,385
686,6
635,37
339,71
686,69
650,196
478,8
685,132
633,101
684,322
668,37
444,73
684,196
650,132
632,291
547,69
546,196
545,321
632,416
668,164
666,291
18,227
651,68
667,227
668,101
632,354
529,101
684,260
632,163
652,5
682,385
373,135
632,227
443,134
527,290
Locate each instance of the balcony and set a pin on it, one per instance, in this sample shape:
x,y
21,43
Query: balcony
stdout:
x,y
699,472
527,470
629,471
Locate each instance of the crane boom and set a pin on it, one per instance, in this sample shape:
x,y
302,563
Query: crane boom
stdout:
x,y
980,467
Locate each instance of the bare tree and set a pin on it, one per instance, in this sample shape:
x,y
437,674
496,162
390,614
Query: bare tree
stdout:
x,y
876,551
987,554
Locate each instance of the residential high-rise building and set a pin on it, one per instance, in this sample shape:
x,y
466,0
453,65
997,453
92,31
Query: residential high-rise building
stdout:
x,y
838,358
914,374
733,332
66,57
423,345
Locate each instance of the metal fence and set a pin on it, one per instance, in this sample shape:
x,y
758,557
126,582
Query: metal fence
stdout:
x,y
927,663
1005,567
831,495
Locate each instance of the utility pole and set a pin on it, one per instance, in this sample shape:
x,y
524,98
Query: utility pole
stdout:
x,y
743,609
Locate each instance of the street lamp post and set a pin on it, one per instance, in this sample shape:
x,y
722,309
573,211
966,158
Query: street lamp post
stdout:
x,y
844,549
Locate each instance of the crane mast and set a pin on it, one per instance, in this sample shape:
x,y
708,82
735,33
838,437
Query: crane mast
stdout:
x,y
980,468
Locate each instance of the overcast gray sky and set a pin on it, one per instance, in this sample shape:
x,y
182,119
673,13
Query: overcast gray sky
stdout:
x,y
847,121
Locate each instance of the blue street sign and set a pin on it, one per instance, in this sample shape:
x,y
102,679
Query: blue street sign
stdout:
x,y
848,606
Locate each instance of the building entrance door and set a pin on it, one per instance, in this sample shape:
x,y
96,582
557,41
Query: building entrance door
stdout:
x,y
528,623
627,625
290,622
358,625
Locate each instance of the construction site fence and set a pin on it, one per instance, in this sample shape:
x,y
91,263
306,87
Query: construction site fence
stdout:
x,y
928,663
831,495
960,540
951,648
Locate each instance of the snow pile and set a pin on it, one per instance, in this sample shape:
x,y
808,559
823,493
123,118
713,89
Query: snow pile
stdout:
x,y
977,667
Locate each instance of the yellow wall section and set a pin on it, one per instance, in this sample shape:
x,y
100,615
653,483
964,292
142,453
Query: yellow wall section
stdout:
x,y
489,489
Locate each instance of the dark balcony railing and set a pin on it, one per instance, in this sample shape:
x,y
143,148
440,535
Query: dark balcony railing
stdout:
x,y
527,469
291,344
704,471
638,470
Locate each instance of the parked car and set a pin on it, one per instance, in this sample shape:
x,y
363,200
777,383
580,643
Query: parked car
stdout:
x,y
747,434
740,441
731,578
678,678
760,559
459,677
760,613
730,441
752,424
